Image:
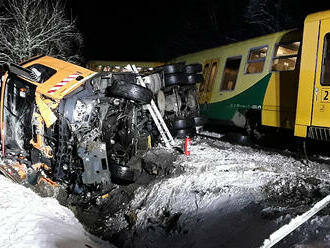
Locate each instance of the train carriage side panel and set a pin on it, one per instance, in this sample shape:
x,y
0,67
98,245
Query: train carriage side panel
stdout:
x,y
279,104
313,109
306,78
231,106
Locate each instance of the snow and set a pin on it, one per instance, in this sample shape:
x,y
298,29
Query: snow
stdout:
x,y
28,220
223,189
219,196
210,174
295,223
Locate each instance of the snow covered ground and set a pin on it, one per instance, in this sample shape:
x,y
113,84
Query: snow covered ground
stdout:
x,y
229,196
28,220
222,195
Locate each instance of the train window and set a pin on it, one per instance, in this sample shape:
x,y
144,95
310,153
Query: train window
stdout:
x,y
206,74
212,76
285,56
256,60
230,73
325,76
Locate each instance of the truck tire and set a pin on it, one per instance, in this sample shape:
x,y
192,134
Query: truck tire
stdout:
x,y
200,120
193,68
175,79
122,174
130,91
161,102
155,83
183,133
194,79
182,123
174,68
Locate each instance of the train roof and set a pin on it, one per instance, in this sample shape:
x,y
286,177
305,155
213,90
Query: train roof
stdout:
x,y
318,16
269,38
283,36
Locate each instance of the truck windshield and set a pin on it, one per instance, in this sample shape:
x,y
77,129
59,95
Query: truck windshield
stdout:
x,y
18,105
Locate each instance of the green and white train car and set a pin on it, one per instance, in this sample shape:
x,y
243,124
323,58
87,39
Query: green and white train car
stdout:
x,y
251,82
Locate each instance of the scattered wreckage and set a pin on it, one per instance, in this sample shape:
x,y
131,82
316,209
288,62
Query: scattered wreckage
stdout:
x,y
62,123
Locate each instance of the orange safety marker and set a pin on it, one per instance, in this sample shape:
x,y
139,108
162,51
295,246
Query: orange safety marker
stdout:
x,y
187,144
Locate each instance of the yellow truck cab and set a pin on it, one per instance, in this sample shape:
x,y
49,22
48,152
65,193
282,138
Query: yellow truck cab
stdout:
x,y
77,125
52,79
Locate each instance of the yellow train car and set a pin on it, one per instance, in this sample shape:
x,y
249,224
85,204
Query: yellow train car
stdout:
x,y
279,80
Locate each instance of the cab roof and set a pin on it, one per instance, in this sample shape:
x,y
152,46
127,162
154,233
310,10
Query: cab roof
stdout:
x,y
65,76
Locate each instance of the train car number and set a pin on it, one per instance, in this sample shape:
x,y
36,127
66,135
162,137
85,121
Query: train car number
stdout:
x,y
325,95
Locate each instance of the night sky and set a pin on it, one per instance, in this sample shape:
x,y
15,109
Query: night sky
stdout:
x,y
159,30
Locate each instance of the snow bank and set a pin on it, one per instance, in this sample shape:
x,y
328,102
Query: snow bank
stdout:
x,y
27,220
223,189
210,177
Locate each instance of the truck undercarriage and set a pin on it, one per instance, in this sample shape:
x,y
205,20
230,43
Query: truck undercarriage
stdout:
x,y
93,134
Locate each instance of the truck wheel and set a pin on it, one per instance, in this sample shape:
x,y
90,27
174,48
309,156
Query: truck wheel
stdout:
x,y
173,68
200,120
183,133
161,103
128,173
175,79
155,82
121,174
130,91
194,79
182,123
193,68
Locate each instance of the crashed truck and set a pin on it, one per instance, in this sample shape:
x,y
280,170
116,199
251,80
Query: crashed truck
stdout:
x,y
64,123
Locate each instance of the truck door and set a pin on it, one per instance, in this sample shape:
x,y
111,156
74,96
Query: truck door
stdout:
x,y
209,73
321,99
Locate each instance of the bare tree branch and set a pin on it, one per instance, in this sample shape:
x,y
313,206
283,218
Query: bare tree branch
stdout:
x,y
267,16
32,27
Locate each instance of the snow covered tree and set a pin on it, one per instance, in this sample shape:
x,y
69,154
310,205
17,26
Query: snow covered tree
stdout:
x,y
267,16
32,27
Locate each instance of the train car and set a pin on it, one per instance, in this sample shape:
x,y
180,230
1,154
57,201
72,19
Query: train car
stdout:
x,y
280,80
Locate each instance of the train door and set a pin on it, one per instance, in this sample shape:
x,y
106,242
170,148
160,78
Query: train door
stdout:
x,y
321,99
209,73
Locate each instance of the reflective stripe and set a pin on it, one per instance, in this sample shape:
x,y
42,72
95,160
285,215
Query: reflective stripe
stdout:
x,y
63,82
79,82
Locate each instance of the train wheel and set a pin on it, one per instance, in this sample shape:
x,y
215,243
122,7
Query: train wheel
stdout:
x,y
239,138
193,68
131,91
253,125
